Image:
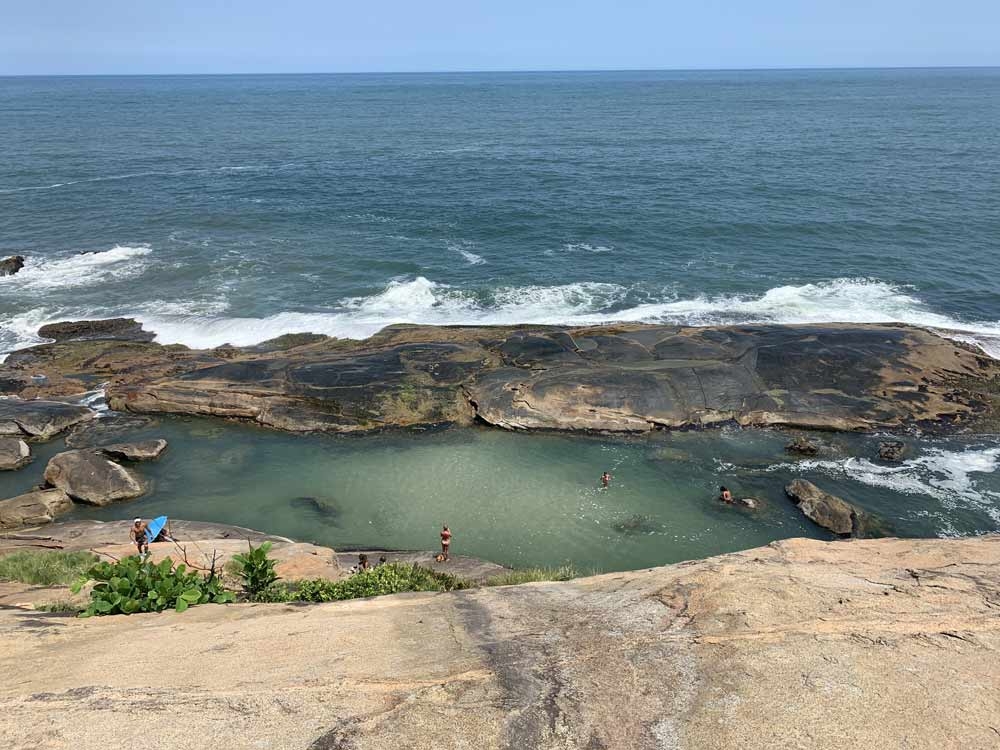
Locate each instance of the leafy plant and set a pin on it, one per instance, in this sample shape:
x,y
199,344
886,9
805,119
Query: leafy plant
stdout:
x,y
256,570
60,605
52,568
533,575
385,579
134,585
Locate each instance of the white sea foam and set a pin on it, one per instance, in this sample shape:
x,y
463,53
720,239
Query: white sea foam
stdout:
x,y
130,176
585,247
81,269
470,257
945,475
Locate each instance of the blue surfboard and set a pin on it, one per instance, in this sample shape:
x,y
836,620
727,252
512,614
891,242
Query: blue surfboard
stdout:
x,y
155,527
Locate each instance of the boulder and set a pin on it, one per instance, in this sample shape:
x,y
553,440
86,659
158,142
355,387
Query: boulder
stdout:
x,y
802,446
826,510
10,266
91,478
891,450
116,329
14,453
40,419
146,450
32,508
749,502
106,430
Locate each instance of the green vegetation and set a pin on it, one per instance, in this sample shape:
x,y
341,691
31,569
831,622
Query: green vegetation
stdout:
x,y
134,585
60,605
256,570
534,575
385,579
49,568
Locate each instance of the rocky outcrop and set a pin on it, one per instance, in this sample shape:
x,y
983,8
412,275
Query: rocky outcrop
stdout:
x,y
145,450
107,430
14,454
802,446
622,378
91,478
116,329
39,419
32,508
826,510
11,265
887,644
891,450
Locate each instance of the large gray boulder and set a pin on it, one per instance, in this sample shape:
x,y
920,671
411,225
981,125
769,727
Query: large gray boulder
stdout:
x,y
91,478
145,450
32,508
115,428
14,453
116,329
824,509
40,419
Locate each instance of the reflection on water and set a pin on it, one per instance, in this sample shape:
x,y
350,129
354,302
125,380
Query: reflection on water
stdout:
x,y
536,499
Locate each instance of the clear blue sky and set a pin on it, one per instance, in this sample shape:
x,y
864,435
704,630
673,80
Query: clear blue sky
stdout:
x,y
212,36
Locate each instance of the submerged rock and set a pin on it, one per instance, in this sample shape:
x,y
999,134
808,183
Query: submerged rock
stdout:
x,y
321,506
106,430
146,450
117,329
10,266
14,453
32,508
826,510
802,446
749,502
638,524
91,478
40,419
891,450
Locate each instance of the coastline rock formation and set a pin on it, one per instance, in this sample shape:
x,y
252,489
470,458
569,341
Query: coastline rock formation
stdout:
x,y
39,419
826,510
144,450
888,643
118,329
891,450
31,508
14,454
615,378
11,265
88,477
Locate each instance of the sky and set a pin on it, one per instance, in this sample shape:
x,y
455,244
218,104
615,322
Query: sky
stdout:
x,y
271,36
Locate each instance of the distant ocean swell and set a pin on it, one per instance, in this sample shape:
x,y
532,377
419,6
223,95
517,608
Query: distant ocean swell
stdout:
x,y
205,323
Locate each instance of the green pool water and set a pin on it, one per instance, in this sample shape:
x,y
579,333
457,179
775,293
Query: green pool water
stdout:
x,y
527,499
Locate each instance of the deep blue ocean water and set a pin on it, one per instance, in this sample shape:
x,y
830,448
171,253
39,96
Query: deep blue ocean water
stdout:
x,y
235,208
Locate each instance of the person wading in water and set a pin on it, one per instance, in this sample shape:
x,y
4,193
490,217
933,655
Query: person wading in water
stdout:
x,y
605,479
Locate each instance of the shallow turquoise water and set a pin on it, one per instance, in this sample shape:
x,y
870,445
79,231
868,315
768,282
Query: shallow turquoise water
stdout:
x,y
534,499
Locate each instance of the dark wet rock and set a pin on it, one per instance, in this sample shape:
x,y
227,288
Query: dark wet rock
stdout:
x,y
802,446
14,453
623,378
40,419
33,508
106,430
891,450
145,450
638,524
826,510
116,329
89,477
10,266
324,507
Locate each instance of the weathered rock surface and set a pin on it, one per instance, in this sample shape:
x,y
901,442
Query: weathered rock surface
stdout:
x,y
622,378
801,644
891,450
117,329
802,446
826,510
14,453
145,450
11,265
32,508
91,478
39,419
107,430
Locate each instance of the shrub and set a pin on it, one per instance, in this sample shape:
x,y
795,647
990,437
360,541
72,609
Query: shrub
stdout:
x,y
385,579
52,568
533,575
133,585
60,605
256,570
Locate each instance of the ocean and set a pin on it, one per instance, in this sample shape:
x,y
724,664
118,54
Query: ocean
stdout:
x,y
232,209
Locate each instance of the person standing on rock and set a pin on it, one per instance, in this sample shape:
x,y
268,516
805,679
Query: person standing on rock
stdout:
x,y
445,543
137,533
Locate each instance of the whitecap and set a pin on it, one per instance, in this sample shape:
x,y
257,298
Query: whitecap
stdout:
x,y
81,269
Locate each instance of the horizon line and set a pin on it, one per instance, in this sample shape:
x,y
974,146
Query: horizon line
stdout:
x,y
481,71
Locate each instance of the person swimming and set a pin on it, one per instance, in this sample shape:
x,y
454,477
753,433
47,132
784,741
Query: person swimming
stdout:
x,y
606,479
725,495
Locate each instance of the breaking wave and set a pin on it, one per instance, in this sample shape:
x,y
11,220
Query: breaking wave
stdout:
x,y
82,269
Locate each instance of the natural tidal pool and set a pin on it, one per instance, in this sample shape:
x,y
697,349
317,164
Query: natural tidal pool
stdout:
x,y
532,499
